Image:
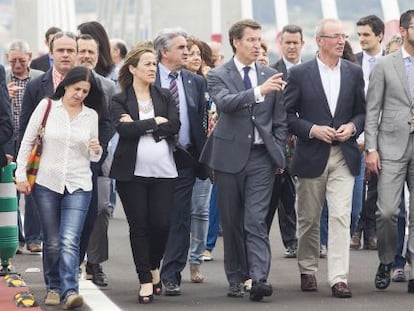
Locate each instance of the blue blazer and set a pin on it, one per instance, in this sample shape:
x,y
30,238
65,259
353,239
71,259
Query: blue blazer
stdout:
x,y
306,105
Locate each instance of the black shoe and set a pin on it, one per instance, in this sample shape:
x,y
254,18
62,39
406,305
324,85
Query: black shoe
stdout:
x,y
171,289
411,286
259,290
95,273
383,276
235,290
290,252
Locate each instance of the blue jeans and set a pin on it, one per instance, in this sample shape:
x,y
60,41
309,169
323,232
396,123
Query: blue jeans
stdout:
x,y
357,196
62,217
213,220
32,227
399,259
199,220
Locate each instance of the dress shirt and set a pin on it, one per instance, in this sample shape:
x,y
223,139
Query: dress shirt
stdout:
x,y
257,94
184,133
289,65
65,161
366,66
331,82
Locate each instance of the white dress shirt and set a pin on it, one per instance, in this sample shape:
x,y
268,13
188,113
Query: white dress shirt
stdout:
x,y
65,161
331,82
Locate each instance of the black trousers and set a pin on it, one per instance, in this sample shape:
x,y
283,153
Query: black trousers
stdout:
x,y
147,203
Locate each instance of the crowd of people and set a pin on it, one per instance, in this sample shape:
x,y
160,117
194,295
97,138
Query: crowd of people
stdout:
x,y
191,142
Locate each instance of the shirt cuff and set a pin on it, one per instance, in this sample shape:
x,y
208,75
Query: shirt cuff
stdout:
x,y
310,132
258,95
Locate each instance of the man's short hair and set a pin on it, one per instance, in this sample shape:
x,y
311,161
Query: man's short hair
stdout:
x,y
51,31
373,21
292,29
406,18
18,45
121,46
237,29
164,38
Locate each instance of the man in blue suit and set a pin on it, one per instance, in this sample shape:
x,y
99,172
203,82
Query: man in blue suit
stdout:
x,y
189,92
325,104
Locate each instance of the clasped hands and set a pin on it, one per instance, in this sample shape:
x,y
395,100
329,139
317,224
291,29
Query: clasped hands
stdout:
x,y
329,134
127,118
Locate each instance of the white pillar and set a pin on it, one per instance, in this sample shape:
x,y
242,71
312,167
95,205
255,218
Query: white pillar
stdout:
x,y
216,20
281,13
329,9
390,9
246,8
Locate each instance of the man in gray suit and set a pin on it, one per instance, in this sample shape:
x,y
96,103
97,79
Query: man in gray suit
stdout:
x,y
390,144
244,150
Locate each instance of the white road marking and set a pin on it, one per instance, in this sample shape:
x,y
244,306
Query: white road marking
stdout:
x,y
95,298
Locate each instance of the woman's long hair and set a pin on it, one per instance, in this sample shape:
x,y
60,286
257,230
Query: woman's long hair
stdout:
x,y
125,78
95,98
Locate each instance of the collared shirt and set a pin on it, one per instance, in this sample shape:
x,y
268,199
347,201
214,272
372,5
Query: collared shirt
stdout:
x,y
367,67
409,66
65,162
16,102
289,64
184,133
57,78
331,82
257,94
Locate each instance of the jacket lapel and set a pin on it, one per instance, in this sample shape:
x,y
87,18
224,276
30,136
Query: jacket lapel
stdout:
x,y
399,66
343,88
132,104
315,77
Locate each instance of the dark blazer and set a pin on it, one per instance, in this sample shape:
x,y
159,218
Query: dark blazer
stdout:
x,y
123,165
195,89
6,127
281,67
228,147
41,63
306,105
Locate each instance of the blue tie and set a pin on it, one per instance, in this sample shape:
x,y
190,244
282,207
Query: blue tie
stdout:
x,y
246,79
174,88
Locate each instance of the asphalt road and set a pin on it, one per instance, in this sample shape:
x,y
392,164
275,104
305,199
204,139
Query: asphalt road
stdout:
x,y
211,295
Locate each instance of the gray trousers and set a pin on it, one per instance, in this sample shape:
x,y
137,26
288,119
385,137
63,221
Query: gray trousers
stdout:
x,y
98,242
390,186
244,200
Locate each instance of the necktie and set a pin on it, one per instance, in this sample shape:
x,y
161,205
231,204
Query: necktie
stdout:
x,y
174,88
372,62
246,79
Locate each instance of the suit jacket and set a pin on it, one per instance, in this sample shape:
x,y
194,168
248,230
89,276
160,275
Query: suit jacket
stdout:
x,y
41,63
123,164
33,73
228,147
389,97
281,67
6,127
194,88
306,105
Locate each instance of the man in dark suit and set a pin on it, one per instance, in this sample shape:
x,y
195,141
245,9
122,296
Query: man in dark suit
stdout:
x,y
284,194
6,127
188,90
244,150
44,62
325,104
370,30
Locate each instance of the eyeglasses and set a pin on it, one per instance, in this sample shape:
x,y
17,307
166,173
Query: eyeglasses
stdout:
x,y
18,60
335,36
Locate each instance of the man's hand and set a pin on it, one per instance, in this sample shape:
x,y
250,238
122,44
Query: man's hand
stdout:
x,y
13,89
274,83
23,187
324,133
344,132
372,161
